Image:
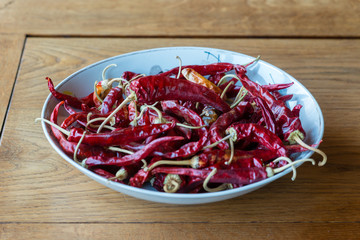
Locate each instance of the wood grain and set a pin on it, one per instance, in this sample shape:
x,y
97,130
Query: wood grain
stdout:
x,y
181,18
42,195
10,49
185,230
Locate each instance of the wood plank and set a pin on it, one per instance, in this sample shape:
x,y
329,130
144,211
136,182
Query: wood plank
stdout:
x,y
181,231
10,50
36,185
181,18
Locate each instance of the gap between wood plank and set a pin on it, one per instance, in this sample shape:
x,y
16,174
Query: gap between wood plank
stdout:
x,y
12,89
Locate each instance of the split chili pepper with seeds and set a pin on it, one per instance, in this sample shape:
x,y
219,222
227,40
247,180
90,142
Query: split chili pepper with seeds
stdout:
x,y
193,128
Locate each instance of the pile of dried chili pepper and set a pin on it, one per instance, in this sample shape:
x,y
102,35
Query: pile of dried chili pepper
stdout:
x,y
192,129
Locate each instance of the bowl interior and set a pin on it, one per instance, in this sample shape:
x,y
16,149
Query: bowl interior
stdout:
x,y
154,61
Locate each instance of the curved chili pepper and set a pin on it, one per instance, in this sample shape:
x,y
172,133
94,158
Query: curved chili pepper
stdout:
x,y
218,128
119,136
150,89
105,174
257,133
193,76
154,118
193,185
270,87
219,158
128,75
267,114
209,69
142,175
69,147
72,118
235,176
285,119
115,94
72,101
194,119
132,158
139,178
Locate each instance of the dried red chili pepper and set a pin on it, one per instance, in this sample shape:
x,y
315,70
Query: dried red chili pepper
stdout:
x,y
285,119
105,174
150,89
234,176
72,101
194,119
119,136
257,133
209,69
219,158
267,114
115,94
193,76
69,147
218,128
131,158
154,118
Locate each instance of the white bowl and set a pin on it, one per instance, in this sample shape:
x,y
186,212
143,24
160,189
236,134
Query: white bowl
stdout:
x,y
153,61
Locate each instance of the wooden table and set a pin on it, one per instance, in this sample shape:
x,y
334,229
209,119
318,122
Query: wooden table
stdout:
x,y
43,197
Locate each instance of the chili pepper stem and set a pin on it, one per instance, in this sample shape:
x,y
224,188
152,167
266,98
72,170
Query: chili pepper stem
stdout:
x,y
207,179
180,65
239,97
227,76
225,90
193,162
231,153
89,122
300,142
64,131
129,98
172,183
188,126
117,149
145,164
106,68
289,161
217,142
121,174
252,62
77,147
271,172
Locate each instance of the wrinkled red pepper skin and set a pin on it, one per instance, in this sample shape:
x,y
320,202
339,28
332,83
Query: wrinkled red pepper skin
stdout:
x,y
242,159
139,178
115,94
210,69
234,176
267,114
119,136
128,75
194,119
257,133
285,119
154,117
154,88
105,174
69,147
131,158
72,101
218,128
